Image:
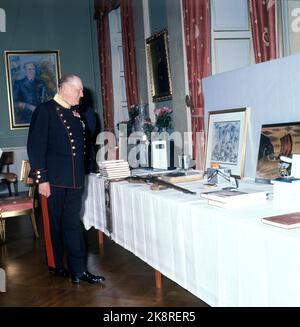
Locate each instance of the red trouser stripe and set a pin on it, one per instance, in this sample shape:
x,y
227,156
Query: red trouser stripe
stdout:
x,y
47,233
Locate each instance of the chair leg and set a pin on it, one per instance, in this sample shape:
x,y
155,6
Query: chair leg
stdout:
x,y
2,230
16,188
33,222
9,188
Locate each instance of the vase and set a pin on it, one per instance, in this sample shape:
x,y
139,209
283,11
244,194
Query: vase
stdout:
x,y
141,118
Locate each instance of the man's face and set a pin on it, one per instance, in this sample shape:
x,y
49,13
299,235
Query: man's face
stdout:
x,y
30,71
73,91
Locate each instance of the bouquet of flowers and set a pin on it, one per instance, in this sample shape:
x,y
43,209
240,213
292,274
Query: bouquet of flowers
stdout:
x,y
148,128
133,112
163,118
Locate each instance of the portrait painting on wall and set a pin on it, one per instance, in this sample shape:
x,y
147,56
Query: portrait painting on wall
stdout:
x,y
159,67
226,140
277,141
32,78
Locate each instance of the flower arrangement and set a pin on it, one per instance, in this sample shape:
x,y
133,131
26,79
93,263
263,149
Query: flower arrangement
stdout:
x,y
163,117
133,112
148,128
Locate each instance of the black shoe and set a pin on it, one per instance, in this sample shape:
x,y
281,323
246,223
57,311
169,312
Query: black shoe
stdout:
x,y
87,277
62,272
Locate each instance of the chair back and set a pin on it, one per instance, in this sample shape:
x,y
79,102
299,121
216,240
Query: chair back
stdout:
x,y
19,205
7,159
25,170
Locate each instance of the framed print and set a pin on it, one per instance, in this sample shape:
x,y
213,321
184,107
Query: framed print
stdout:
x,y
276,140
32,78
159,67
226,140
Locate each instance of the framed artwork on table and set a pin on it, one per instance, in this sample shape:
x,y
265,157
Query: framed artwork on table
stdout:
x,y
226,140
32,78
159,66
276,140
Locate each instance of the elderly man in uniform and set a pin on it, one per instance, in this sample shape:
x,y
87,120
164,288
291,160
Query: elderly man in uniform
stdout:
x,y
56,154
28,92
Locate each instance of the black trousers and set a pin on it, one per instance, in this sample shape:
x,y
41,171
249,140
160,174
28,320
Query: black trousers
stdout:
x,y
66,232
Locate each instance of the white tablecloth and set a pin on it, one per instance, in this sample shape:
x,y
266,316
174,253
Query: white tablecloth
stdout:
x,y
226,257
93,208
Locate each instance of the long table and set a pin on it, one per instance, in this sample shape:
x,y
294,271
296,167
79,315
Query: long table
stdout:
x,y
226,257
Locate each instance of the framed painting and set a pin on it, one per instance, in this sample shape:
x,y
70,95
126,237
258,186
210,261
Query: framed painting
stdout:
x,y
226,140
32,78
159,66
276,140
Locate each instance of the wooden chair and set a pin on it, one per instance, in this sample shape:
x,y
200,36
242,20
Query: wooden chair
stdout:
x,y
19,205
6,176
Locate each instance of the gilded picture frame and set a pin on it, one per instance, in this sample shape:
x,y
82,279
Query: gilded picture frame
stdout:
x,y
226,140
159,66
32,78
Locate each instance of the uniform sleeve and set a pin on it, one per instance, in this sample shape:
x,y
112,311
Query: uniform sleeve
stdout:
x,y
37,144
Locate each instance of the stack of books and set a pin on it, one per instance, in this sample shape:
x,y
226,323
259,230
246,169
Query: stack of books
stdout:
x,y
114,169
234,198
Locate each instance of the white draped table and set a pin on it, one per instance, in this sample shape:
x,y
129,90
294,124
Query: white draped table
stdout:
x,y
226,257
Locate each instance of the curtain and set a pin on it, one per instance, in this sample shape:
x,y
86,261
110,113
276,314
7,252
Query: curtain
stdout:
x,y
197,41
263,26
129,53
102,8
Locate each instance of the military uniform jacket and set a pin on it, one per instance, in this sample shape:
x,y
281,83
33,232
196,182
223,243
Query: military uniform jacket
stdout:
x,y
56,146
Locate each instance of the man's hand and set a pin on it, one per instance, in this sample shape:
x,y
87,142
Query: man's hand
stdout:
x,y
44,189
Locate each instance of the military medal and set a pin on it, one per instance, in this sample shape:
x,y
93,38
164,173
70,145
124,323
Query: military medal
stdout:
x,y
76,114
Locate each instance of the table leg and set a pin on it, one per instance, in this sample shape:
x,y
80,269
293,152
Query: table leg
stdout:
x,y
100,237
158,279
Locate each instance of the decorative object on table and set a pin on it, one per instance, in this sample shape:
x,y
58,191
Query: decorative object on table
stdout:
x,y
137,118
141,117
221,177
285,164
276,141
32,78
226,139
159,67
159,154
163,119
184,161
287,221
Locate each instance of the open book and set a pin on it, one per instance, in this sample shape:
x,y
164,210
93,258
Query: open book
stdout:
x,y
287,221
234,198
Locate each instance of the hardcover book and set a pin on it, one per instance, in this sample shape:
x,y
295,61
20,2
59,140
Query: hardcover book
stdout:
x,y
287,221
234,198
